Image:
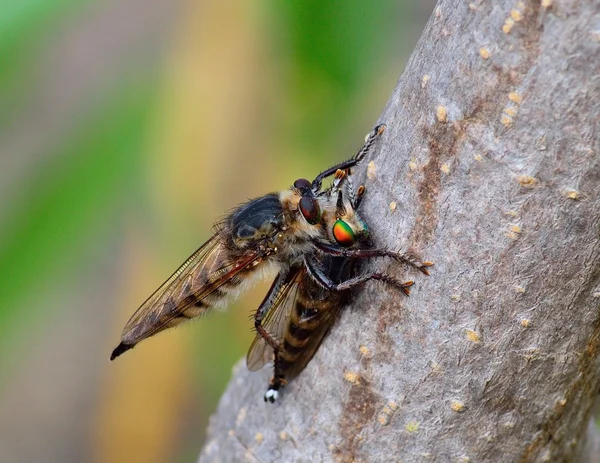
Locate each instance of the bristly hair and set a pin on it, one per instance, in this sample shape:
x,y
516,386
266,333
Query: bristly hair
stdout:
x,y
340,208
350,190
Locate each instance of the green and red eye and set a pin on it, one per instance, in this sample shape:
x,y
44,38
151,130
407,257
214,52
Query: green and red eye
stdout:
x,y
310,209
343,233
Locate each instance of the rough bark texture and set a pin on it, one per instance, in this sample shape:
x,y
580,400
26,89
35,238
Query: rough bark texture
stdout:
x,y
492,160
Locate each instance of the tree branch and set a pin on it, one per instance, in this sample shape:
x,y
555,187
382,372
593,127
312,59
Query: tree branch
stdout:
x,y
491,160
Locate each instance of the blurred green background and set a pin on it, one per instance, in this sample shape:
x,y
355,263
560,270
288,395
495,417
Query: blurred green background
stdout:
x,y
127,128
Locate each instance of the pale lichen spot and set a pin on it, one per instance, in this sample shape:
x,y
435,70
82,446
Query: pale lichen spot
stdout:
x,y
509,424
484,53
515,228
412,426
596,294
511,235
258,437
512,213
512,112
516,15
473,336
438,12
425,80
546,3
515,97
441,113
571,193
527,181
231,433
525,323
352,377
283,435
472,6
455,297
241,416
364,350
573,442
386,413
561,402
463,459
393,206
506,120
386,410
445,168
508,25
412,165
371,170
435,367
383,419
519,289
457,406
478,157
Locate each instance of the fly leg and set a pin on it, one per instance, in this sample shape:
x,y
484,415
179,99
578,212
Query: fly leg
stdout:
x,y
277,382
278,379
368,253
321,278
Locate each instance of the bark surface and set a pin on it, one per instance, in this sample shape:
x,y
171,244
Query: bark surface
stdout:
x,y
490,167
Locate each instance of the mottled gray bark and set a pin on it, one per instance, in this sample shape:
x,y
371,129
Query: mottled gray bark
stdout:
x,y
490,167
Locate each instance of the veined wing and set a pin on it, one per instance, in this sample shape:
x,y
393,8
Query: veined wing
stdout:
x,y
276,320
200,282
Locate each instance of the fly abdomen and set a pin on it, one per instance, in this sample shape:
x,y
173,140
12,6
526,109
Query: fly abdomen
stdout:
x,y
299,333
306,327
306,314
290,347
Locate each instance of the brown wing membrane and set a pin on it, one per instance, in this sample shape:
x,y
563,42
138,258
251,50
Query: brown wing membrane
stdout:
x,y
191,291
276,320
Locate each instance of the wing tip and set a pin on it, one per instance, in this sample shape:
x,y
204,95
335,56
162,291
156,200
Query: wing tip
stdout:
x,y
120,349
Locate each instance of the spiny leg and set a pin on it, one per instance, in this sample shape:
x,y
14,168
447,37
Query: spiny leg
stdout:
x,y
278,379
277,382
265,306
368,253
369,140
317,273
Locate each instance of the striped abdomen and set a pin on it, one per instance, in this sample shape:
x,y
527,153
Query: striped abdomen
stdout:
x,y
313,315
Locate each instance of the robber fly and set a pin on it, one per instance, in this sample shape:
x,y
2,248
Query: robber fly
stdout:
x,y
304,234
304,302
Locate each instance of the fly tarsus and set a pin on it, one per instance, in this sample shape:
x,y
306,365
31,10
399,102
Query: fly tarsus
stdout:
x,y
277,382
323,280
403,258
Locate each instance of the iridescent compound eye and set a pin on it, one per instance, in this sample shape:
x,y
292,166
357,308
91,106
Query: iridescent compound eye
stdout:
x,y
302,184
343,233
310,210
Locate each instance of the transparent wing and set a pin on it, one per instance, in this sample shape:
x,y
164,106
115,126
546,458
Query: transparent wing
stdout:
x,y
192,290
275,322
